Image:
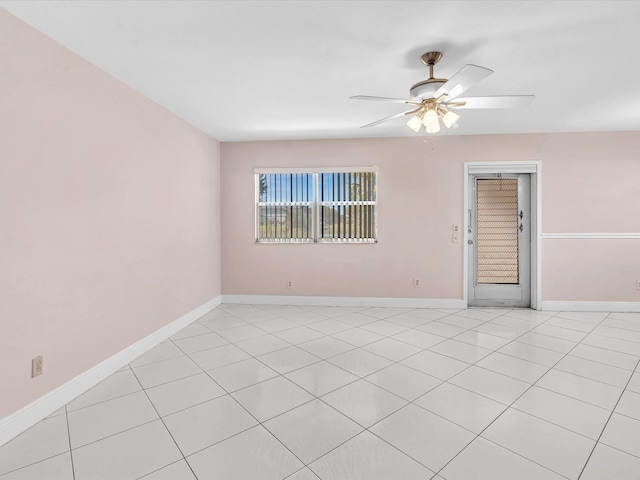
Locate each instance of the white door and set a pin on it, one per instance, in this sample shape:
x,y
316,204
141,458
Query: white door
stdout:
x,y
499,236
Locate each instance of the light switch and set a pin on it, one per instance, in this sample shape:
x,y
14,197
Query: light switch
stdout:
x,y
455,238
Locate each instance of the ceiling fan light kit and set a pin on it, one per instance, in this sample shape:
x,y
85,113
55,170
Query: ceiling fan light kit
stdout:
x,y
432,99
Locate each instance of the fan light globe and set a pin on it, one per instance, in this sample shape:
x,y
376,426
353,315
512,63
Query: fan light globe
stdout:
x,y
450,118
415,123
433,127
430,118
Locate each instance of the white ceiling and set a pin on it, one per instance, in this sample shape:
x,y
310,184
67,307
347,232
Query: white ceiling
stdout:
x,y
279,70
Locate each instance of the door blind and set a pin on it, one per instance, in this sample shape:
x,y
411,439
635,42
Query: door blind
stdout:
x,y
497,230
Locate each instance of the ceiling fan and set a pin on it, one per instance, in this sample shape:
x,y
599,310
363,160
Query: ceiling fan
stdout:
x,y
434,99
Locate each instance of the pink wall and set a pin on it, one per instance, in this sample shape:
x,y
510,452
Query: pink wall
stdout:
x,y
109,209
597,270
590,183
420,198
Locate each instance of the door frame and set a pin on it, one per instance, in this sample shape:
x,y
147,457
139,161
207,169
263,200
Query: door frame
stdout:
x,y
534,168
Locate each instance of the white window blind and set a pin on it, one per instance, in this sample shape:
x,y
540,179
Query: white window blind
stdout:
x,y
347,206
285,203
331,206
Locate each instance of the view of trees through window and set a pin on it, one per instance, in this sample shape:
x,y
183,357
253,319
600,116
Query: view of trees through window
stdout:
x,y
347,205
343,210
284,208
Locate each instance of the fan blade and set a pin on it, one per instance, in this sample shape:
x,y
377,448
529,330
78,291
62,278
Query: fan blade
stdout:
x,y
377,122
501,101
386,99
465,78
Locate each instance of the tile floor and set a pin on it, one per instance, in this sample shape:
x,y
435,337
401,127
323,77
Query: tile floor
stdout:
x,y
275,392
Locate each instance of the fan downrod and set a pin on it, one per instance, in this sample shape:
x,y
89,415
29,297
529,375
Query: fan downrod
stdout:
x,y
430,59
426,88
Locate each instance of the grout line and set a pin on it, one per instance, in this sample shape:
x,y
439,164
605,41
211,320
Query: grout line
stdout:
x,y
228,393
5,475
324,335
620,450
608,350
510,406
165,426
315,398
259,423
249,413
71,412
484,396
445,339
155,362
556,424
441,383
174,380
300,470
114,434
589,378
622,329
163,467
66,417
606,423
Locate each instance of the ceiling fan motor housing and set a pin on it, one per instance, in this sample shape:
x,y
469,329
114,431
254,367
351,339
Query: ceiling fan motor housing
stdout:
x,y
426,88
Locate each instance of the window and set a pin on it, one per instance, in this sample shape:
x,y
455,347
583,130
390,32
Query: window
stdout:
x,y
347,206
285,203
316,206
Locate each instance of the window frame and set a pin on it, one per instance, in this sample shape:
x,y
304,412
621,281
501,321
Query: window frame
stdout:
x,y
283,204
347,204
315,204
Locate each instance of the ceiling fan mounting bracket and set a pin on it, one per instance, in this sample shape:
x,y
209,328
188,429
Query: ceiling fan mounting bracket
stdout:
x,y
431,58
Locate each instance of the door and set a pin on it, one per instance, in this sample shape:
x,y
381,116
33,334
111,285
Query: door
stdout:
x,y
499,237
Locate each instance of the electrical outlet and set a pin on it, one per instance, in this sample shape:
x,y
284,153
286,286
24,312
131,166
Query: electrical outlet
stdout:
x,y
456,229
289,283
416,283
36,366
637,284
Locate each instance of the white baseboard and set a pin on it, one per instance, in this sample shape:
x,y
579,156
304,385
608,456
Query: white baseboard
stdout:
x,y
19,421
555,306
345,301
591,306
